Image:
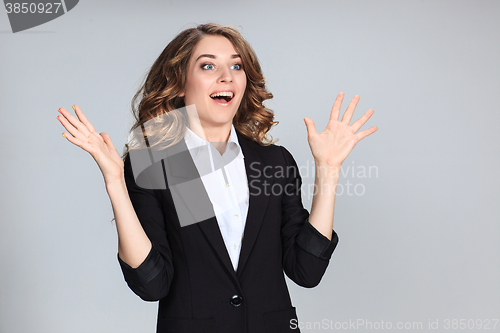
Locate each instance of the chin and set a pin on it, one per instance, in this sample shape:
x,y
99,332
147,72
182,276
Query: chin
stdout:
x,y
222,118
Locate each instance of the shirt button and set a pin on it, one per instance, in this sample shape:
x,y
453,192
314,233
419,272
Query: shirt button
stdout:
x,y
235,216
227,185
235,247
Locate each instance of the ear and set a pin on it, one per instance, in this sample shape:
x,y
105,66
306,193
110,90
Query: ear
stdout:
x,y
181,94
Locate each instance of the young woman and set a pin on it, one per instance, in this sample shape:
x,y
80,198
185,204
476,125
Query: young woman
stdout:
x,y
208,210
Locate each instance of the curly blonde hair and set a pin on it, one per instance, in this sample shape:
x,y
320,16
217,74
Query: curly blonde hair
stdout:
x,y
154,104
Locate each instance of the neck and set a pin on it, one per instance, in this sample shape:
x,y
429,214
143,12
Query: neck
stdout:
x,y
210,133
218,136
207,131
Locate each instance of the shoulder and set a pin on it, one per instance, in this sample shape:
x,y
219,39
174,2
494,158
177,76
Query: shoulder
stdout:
x,y
273,154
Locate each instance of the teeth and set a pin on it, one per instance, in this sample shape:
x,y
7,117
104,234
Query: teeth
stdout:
x,y
223,93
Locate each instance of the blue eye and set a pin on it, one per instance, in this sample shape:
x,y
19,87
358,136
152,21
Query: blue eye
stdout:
x,y
238,66
207,66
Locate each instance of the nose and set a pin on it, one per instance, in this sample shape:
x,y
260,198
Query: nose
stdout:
x,y
225,75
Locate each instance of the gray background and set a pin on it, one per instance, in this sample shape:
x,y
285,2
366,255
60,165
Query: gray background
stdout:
x,y
421,242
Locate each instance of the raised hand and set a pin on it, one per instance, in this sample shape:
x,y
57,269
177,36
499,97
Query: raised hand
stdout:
x,y
332,146
82,134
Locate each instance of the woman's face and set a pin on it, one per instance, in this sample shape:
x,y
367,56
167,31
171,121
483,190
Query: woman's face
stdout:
x,y
215,81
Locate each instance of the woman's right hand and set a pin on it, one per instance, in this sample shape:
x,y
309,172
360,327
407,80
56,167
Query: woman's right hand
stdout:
x,y
82,134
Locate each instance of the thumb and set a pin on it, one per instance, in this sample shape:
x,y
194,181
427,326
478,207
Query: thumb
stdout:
x,y
109,143
311,129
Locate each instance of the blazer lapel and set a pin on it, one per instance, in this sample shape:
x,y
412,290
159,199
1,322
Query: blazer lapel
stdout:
x,y
258,200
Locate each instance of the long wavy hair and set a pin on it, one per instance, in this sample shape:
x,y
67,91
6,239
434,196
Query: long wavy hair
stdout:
x,y
158,108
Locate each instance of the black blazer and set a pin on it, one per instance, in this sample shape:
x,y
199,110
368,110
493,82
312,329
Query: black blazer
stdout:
x,y
188,268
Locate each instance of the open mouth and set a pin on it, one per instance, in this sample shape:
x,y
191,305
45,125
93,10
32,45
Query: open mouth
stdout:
x,y
222,97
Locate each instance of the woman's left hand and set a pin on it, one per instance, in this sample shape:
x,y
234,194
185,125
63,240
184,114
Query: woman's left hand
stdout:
x,y
332,146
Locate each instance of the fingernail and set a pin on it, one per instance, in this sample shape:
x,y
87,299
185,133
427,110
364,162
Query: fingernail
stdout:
x,y
59,119
64,135
59,111
73,107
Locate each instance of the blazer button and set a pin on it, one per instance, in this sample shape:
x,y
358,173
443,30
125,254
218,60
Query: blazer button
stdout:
x,y
236,300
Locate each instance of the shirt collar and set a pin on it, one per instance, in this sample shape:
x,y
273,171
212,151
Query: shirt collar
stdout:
x,y
194,142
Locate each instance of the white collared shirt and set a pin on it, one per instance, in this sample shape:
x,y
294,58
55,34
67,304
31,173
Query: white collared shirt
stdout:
x,y
225,180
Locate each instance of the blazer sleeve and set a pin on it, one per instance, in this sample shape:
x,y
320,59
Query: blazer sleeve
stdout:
x,y
306,251
151,280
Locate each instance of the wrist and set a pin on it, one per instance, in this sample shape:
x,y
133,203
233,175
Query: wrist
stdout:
x,y
115,184
326,168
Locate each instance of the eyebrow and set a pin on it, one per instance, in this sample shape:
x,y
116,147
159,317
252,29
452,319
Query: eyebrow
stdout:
x,y
213,57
